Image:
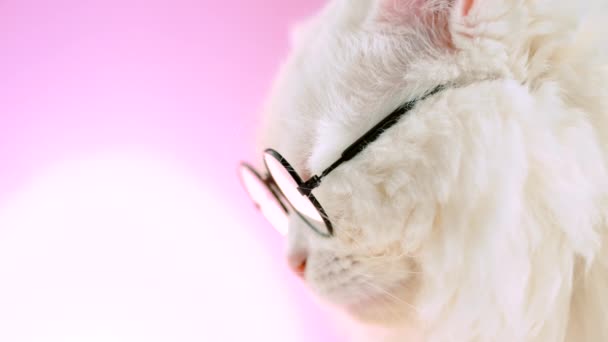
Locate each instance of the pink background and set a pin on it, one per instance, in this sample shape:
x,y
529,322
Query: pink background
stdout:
x,y
121,219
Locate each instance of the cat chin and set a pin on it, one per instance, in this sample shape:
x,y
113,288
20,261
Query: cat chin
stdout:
x,y
377,311
382,308
366,293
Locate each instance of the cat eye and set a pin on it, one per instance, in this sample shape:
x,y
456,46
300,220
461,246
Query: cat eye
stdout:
x,y
282,189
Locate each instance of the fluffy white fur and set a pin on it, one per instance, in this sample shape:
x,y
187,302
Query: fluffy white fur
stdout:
x,y
481,215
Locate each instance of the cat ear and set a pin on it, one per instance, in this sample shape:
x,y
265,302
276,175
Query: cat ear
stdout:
x,y
398,12
465,7
401,10
434,16
429,16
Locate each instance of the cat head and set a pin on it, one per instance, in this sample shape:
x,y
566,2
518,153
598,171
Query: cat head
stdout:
x,y
412,212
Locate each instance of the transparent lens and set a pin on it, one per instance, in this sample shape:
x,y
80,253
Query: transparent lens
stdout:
x,y
264,199
289,187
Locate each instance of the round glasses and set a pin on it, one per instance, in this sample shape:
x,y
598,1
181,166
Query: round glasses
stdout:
x,y
281,191
282,188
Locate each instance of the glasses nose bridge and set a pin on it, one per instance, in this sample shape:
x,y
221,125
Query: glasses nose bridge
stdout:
x,y
278,194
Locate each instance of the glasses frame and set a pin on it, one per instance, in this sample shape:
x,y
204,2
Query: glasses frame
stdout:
x,y
267,181
306,187
303,191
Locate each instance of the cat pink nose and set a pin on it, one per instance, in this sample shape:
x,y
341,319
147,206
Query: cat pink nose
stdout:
x,y
297,262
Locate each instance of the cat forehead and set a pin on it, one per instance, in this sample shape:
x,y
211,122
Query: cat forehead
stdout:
x,y
335,97
320,78
341,79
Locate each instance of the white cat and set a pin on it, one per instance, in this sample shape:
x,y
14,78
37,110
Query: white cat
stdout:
x,y
482,214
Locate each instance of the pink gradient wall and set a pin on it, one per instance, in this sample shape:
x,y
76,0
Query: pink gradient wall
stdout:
x,y
121,219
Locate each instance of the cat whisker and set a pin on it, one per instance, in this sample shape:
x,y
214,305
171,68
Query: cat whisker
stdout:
x,y
384,291
390,306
